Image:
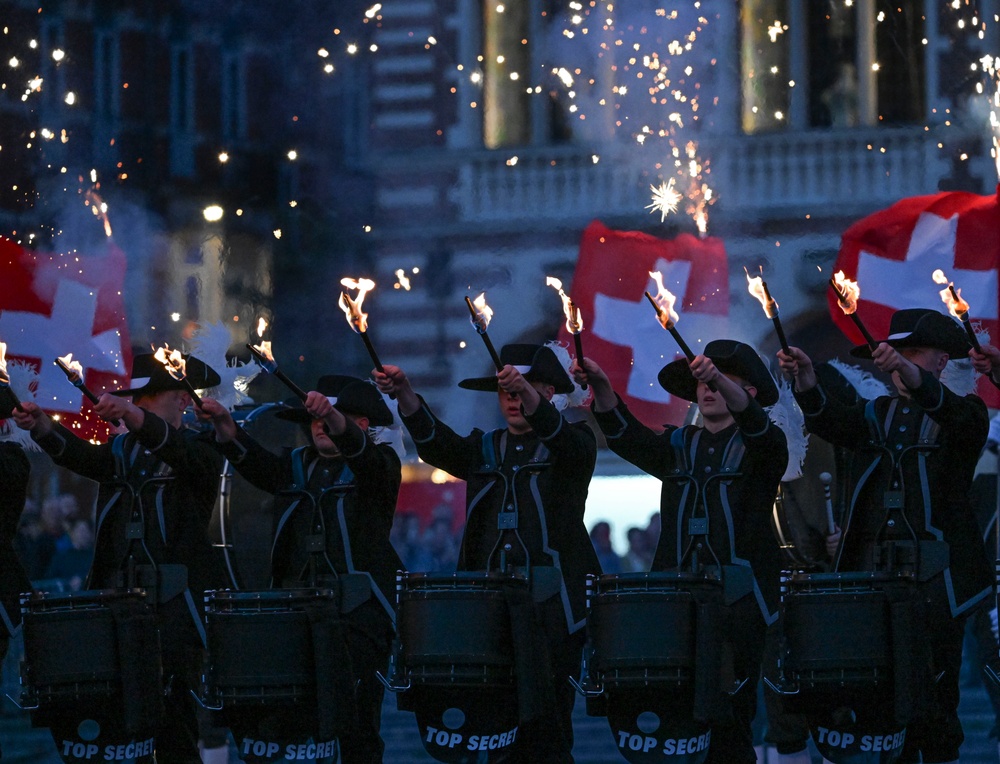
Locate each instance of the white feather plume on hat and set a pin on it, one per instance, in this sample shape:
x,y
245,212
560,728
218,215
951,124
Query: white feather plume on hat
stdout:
x,y
210,344
787,415
866,385
579,396
23,381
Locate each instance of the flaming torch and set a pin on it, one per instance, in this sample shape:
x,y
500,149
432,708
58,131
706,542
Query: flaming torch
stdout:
x,y
5,378
352,309
74,373
574,321
758,288
958,307
663,304
848,293
175,365
262,354
481,315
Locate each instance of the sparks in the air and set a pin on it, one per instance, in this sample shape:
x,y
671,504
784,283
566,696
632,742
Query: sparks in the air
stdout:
x,y
665,199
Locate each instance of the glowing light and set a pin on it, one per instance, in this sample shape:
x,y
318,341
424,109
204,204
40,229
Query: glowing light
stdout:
x,y
70,98
212,213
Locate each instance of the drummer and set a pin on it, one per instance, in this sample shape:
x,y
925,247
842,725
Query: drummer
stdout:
x,y
548,500
355,481
166,477
736,435
939,435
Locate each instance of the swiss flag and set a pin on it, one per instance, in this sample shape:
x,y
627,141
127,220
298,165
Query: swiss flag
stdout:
x,y
54,304
621,332
892,254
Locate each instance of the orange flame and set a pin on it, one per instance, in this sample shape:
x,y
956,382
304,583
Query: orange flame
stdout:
x,y
352,308
69,363
484,313
664,302
850,292
263,347
951,297
755,285
172,360
574,321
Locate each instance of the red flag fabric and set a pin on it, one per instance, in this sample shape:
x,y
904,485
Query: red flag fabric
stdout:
x,y
54,304
621,332
892,254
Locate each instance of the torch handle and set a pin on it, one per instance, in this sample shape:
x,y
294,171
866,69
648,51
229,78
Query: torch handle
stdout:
x,y
191,391
864,331
492,350
780,332
971,333
296,390
371,351
687,352
578,342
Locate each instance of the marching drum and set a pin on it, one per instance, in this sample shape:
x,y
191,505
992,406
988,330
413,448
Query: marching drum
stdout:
x,y
836,630
454,629
78,645
261,646
643,628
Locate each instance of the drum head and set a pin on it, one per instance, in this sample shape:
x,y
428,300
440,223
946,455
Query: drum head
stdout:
x,y
651,727
467,727
242,522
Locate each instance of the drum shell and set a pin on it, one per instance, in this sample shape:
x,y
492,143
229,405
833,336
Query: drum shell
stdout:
x,y
260,645
72,646
455,630
642,628
837,631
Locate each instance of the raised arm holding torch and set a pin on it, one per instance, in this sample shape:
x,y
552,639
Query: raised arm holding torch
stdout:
x,y
574,321
5,378
262,354
481,315
663,303
848,293
173,362
758,288
959,308
357,320
74,373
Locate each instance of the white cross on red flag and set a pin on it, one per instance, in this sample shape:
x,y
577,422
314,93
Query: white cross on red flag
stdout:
x,y
621,332
55,304
893,253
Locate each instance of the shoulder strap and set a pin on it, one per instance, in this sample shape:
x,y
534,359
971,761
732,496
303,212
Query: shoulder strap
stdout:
x,y
489,450
299,467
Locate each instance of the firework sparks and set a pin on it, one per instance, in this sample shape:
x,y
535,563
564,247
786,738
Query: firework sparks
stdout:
x,y
665,199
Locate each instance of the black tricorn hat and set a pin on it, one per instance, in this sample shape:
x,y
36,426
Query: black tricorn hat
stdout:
x,y
923,328
149,376
730,357
536,363
349,395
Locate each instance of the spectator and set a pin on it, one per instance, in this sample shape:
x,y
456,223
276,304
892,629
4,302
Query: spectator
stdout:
x,y
438,552
638,557
72,563
600,537
405,538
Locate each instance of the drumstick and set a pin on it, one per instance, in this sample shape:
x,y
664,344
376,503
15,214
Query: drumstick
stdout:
x,y
826,478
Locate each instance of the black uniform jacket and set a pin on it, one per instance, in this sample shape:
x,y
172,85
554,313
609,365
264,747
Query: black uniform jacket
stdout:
x,y
730,476
542,475
14,471
923,451
355,493
169,479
